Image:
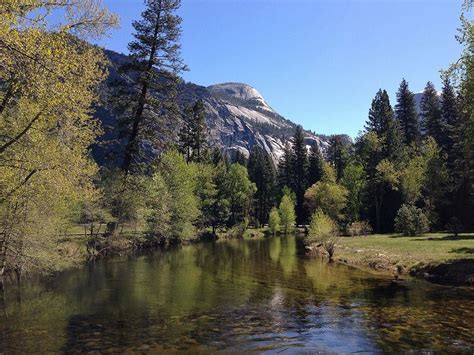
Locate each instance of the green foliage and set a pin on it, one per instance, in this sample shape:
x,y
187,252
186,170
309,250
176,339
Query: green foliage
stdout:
x,y
324,231
411,221
239,191
315,165
262,173
338,153
412,179
274,221
153,66
193,134
405,112
206,192
354,180
124,196
180,181
327,195
284,168
431,113
299,169
287,213
240,158
219,211
49,77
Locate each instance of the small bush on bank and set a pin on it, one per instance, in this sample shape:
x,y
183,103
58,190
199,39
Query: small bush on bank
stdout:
x,y
411,221
238,231
323,231
359,228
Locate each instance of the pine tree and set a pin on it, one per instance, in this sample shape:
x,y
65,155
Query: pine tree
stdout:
x,y
154,66
315,168
299,164
451,124
381,151
338,153
240,158
405,113
262,173
380,114
199,131
284,168
185,135
430,113
193,135
381,122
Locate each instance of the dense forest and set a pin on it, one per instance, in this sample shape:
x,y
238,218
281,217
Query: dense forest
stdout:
x,y
408,171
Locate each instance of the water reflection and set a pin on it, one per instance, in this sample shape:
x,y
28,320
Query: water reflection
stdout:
x,y
234,295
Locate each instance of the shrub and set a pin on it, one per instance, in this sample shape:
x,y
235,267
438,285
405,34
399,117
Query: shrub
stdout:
x,y
359,228
274,221
323,231
411,221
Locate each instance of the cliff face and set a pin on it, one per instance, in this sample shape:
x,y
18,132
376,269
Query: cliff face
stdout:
x,y
237,115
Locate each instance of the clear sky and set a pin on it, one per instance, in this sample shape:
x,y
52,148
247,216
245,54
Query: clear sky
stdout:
x,y
317,62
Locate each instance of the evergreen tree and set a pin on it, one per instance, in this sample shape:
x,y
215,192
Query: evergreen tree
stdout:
x,y
465,71
240,158
431,113
338,153
185,135
405,113
193,135
299,168
284,168
451,125
154,66
216,157
315,165
381,122
219,210
262,173
380,150
380,114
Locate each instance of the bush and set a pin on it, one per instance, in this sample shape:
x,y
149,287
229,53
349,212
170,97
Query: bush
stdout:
x,y
238,231
323,231
359,228
411,221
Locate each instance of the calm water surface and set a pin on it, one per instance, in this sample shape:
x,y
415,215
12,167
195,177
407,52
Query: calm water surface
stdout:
x,y
258,295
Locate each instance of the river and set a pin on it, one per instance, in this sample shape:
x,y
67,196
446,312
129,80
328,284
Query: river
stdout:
x,y
253,295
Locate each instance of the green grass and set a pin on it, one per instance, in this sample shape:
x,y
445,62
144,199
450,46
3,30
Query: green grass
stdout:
x,y
392,252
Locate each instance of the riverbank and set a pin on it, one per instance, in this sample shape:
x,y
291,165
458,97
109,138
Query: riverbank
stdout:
x,y
437,257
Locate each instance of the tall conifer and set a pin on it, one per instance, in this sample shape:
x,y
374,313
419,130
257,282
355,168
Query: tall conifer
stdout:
x,y
315,167
154,65
299,163
405,113
431,113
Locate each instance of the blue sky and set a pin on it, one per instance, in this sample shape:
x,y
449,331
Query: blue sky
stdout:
x,y
317,62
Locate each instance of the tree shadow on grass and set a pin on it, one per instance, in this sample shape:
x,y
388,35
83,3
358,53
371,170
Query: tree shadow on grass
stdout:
x,y
448,237
463,251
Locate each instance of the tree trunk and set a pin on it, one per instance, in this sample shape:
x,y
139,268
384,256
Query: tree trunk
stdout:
x,y
133,139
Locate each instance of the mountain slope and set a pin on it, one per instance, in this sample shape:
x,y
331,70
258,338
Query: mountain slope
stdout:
x,y
237,115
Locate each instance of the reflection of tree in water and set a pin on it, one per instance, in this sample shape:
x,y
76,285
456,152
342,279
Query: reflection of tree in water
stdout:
x,y
232,295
